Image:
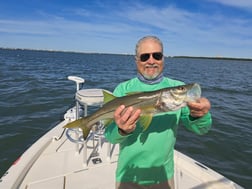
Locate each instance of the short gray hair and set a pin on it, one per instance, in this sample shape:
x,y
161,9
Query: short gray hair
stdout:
x,y
154,38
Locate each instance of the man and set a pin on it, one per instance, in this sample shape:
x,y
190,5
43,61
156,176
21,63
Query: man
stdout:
x,y
146,157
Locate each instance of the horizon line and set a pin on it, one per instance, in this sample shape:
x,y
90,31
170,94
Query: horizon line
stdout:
x,y
129,54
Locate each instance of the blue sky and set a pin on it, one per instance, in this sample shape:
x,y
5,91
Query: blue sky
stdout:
x,y
186,27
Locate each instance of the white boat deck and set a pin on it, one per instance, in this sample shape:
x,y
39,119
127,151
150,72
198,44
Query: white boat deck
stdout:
x,y
61,165
57,164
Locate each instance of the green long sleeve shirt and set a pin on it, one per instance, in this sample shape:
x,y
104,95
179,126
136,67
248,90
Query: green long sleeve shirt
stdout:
x,y
146,157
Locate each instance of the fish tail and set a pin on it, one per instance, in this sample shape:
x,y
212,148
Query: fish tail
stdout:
x,y
80,123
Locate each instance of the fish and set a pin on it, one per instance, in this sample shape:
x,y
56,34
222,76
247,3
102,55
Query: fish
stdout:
x,y
150,103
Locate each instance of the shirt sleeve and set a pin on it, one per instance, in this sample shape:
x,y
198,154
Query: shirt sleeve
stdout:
x,y
197,125
112,134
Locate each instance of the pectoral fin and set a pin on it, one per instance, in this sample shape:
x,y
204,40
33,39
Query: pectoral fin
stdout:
x,y
145,121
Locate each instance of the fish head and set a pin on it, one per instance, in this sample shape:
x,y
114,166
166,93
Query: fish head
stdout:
x,y
193,92
177,97
187,93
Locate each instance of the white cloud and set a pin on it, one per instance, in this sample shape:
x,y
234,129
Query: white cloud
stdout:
x,y
189,24
246,4
25,27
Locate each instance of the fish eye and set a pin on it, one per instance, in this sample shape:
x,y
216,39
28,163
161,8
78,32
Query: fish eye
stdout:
x,y
181,88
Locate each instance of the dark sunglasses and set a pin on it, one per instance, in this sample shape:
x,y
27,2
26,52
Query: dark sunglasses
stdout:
x,y
156,55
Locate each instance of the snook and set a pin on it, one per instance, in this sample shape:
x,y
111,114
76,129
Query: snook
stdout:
x,y
150,103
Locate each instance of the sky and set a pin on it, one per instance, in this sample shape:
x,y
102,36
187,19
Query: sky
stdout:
x,y
212,28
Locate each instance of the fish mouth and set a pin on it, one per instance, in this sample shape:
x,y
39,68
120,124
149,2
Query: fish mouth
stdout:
x,y
194,93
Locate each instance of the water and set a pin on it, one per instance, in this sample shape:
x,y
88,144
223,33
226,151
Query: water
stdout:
x,y
35,93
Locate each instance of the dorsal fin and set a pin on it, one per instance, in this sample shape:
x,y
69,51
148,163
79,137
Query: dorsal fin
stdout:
x,y
107,96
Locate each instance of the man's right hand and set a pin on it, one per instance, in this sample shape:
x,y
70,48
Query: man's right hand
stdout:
x,y
126,118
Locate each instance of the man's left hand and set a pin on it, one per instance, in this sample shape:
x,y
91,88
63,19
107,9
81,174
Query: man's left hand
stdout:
x,y
199,108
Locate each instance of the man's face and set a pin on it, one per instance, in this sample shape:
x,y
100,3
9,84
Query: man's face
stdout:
x,y
149,59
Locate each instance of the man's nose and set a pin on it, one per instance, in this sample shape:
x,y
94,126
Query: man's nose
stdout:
x,y
151,60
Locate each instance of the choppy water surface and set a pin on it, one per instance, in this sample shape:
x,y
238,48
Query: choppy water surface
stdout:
x,y
35,93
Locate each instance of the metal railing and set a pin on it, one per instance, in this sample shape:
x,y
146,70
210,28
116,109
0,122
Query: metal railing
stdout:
x,y
96,134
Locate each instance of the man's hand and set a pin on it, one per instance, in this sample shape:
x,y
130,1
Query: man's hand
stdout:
x,y
199,108
126,118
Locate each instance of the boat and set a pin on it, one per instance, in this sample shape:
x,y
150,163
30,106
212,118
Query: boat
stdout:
x,y
62,159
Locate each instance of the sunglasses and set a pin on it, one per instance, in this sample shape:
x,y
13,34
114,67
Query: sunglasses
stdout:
x,y
156,55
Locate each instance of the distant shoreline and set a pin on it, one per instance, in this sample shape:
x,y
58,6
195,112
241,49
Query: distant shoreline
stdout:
x,y
193,57
219,58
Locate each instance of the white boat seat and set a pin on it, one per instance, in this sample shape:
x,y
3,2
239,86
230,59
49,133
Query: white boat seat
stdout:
x,y
90,97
